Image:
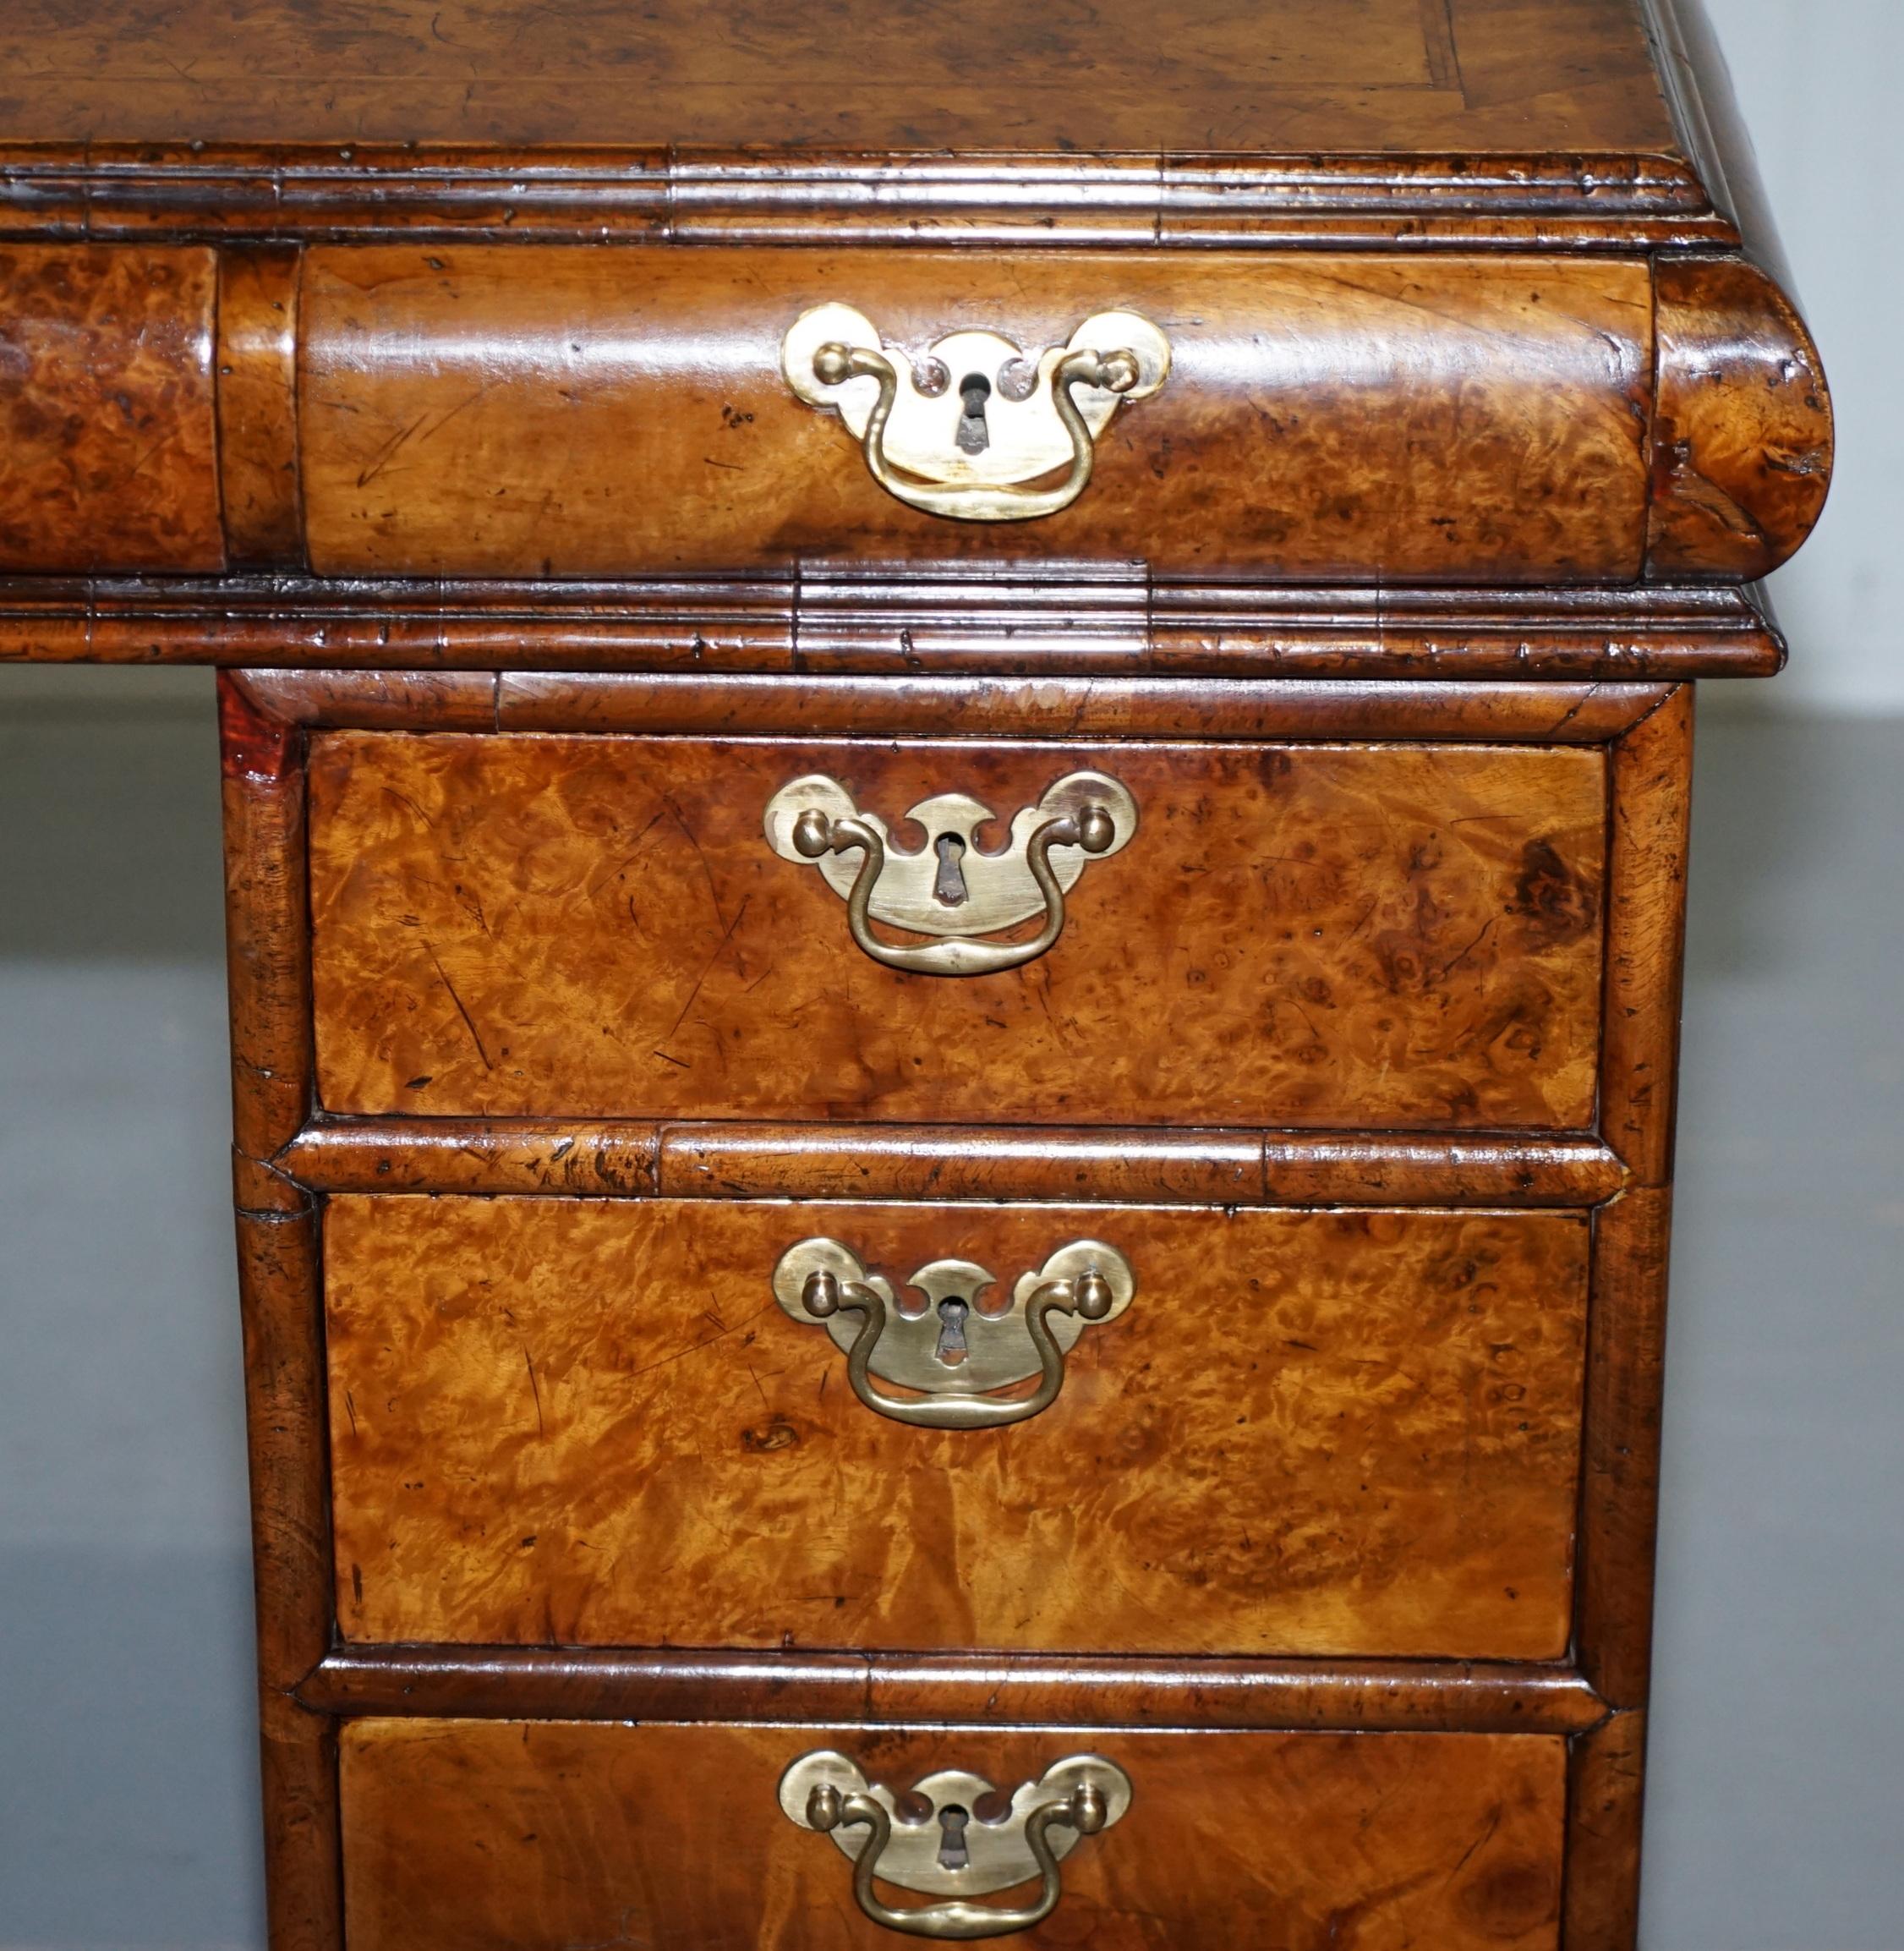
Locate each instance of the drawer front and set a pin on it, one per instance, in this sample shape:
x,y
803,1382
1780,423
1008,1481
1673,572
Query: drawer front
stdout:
x,y
454,410
519,1836
520,411
575,1421
1378,935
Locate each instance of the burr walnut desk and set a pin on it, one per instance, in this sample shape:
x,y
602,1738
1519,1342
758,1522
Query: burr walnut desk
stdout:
x,y
956,753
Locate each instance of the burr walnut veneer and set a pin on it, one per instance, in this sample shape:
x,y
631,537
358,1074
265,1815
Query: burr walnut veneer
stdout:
x,y
956,746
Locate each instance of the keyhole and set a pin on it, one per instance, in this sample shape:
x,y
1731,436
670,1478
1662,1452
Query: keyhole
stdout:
x,y
953,1853
952,1350
949,885
974,435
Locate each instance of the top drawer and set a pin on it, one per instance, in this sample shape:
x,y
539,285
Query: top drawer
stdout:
x,y
550,411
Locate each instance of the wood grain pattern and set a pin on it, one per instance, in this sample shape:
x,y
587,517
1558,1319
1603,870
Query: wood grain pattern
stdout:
x,y
106,409
1114,621
258,407
1391,1169
619,1158
607,1158
1607,1773
1375,936
899,706
896,705
260,1188
1742,442
516,1837
847,76
1619,1478
1459,300
572,1422
418,411
556,193
790,1685
512,411
1216,1168
374,700
267,924
303,1867
1649,835
281,1311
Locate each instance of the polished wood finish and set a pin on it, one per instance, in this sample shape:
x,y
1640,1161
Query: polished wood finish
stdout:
x,y
471,411
526,1836
281,1307
418,410
381,355
291,1546
277,1295
267,925
1400,1170
558,926
1111,621
1742,429
258,408
1609,1630
602,1157
1540,714
623,1158
1393,75
1619,1481
107,406
556,192
947,706
1043,1162
1022,1689
1605,1801
650,1465
1649,836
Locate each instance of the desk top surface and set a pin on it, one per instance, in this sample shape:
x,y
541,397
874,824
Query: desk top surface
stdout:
x,y
1319,78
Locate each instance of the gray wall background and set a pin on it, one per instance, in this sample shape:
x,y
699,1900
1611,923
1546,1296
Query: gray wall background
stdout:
x,y
1818,81
126,1776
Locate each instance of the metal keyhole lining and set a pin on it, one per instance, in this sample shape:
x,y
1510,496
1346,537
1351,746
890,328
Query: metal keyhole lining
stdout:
x,y
953,1347
952,1855
949,883
974,436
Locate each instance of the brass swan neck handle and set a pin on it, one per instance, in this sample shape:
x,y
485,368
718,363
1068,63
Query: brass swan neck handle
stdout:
x,y
965,430
1116,372
813,834
953,1355
952,888
951,1854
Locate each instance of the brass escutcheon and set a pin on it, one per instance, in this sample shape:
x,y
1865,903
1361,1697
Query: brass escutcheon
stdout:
x,y
955,1355
950,887
962,430
950,1851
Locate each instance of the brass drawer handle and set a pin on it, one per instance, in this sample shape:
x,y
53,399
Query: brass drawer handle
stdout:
x,y
949,887
949,1851
953,1355
960,431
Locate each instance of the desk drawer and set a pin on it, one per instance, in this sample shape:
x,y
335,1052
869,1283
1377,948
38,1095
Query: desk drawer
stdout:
x,y
593,1422
519,411
577,411
519,1836
1370,935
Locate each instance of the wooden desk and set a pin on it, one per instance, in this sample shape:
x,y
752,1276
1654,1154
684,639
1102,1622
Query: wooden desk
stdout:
x,y
957,748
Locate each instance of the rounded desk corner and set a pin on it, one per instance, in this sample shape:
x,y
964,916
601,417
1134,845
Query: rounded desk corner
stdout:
x,y
1743,439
